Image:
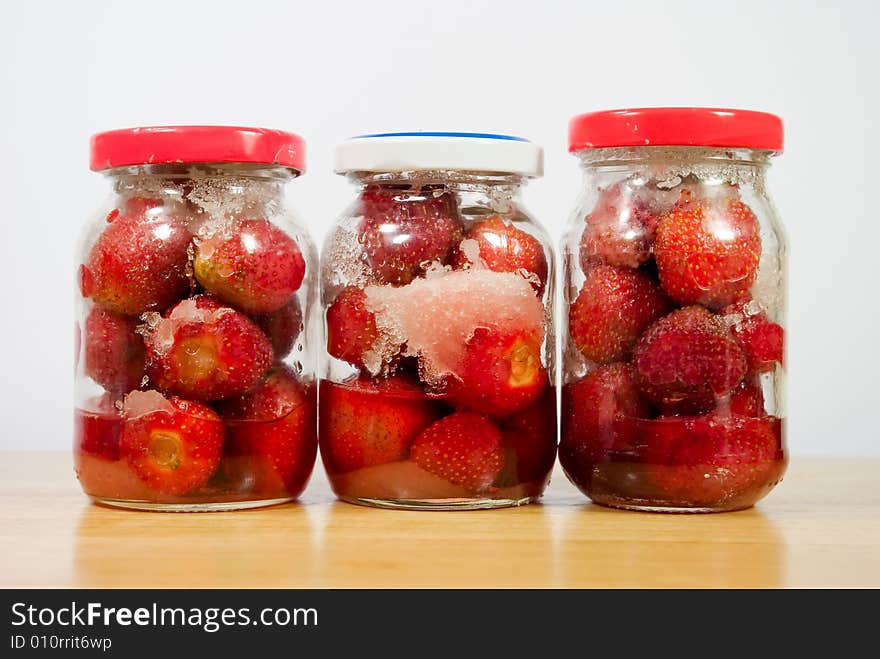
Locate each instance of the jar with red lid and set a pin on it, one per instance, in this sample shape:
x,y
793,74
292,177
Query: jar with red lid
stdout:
x,y
195,381
437,288
675,282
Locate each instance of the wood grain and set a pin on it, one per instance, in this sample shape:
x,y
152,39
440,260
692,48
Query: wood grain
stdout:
x,y
821,527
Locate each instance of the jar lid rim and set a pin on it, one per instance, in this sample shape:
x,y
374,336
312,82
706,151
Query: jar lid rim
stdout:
x,y
443,133
676,126
156,145
439,150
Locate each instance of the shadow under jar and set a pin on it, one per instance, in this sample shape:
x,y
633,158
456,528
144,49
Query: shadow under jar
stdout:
x,y
675,284
437,288
195,385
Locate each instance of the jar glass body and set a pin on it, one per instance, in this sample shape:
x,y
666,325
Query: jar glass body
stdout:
x,y
438,389
195,374
675,283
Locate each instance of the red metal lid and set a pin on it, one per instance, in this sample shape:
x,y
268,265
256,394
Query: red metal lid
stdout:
x,y
745,129
154,145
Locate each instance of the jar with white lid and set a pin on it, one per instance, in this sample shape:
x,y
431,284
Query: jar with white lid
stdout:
x,y
437,288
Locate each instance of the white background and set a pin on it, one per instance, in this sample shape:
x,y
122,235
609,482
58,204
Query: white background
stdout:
x,y
328,70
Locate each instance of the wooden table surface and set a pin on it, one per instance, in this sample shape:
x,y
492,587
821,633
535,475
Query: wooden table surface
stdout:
x,y
821,527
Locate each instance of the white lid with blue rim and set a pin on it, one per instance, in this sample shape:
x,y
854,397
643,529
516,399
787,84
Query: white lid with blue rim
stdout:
x,y
466,152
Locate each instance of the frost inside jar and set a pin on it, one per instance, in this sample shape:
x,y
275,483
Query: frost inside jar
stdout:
x,y
437,290
195,385
673,356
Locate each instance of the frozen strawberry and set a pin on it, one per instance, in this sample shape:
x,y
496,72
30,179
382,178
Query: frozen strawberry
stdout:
x,y
96,430
114,354
502,247
613,308
138,263
620,229
363,424
464,448
351,328
709,460
707,252
271,431
501,372
762,340
403,230
255,267
746,400
529,440
172,444
282,327
593,410
205,351
687,360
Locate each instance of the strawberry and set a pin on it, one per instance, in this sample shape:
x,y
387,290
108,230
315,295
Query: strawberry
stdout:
x,y
465,448
592,412
613,308
403,230
282,327
138,263
351,328
709,460
96,431
114,354
707,251
688,359
173,445
501,372
762,340
271,439
746,400
255,266
205,351
620,228
502,247
529,441
363,423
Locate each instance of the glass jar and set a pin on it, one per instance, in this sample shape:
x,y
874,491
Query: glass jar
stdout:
x,y
675,271
195,385
437,287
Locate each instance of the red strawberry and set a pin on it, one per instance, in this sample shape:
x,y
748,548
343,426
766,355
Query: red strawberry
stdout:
x,y
746,400
403,229
688,359
114,355
707,252
501,373
465,448
592,412
712,460
255,267
613,308
172,444
139,262
762,340
529,439
363,424
351,328
96,431
503,247
282,327
620,229
205,351
271,436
